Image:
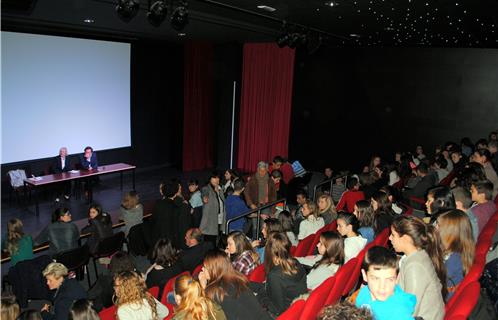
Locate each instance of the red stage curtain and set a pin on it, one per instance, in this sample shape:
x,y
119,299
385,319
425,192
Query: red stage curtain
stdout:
x,y
265,108
198,107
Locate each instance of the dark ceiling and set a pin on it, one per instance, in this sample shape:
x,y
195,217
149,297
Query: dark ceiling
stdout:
x,y
405,23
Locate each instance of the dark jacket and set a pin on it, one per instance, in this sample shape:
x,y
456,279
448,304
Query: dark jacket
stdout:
x,y
62,236
93,161
69,291
161,277
98,231
251,191
163,223
57,165
243,307
184,218
421,188
102,291
192,257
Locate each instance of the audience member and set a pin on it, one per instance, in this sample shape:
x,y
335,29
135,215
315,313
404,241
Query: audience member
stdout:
x,y
301,198
423,182
459,161
483,156
419,152
463,202
471,173
99,227
287,224
344,310
338,187
311,223
280,185
61,164
351,196
164,220
10,308
165,265
229,288
29,314
326,209
235,206
279,163
192,303
230,176
131,211
383,213
83,310
327,175
61,234
391,169
467,146
422,270
243,256
67,291
364,212
191,257
196,203
17,244
382,296
270,225
348,225
493,152
213,211
482,193
441,168
439,200
133,301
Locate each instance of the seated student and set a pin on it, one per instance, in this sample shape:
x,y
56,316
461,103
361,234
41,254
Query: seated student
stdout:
x,y
329,258
228,288
287,224
192,303
301,198
243,256
392,196
493,150
456,235
191,257
280,185
10,307
383,213
327,172
483,156
423,183
440,166
83,310
99,227
344,310
326,209
382,296
459,160
165,265
351,196
67,291
61,234
463,201
235,206
348,225
482,193
439,200
16,243
195,202
285,276
364,212
270,225
131,211
311,223
133,301
422,270
30,314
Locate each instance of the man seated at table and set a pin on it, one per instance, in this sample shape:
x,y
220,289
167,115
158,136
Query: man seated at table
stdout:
x,y
89,159
62,163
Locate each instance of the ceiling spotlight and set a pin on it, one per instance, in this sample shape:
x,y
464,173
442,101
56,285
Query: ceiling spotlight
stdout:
x,y
157,12
127,9
282,40
179,16
331,4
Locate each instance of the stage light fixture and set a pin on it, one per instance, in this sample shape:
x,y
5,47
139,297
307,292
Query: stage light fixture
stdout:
x,y
179,16
127,9
157,12
282,40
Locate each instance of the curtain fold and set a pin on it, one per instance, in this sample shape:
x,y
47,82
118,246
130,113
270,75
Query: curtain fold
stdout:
x,y
265,108
198,106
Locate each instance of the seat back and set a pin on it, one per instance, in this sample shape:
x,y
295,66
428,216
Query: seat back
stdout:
x,y
16,178
154,291
474,274
74,258
464,302
304,245
169,287
341,279
328,227
294,311
332,226
258,274
197,270
108,313
447,180
382,238
317,298
110,245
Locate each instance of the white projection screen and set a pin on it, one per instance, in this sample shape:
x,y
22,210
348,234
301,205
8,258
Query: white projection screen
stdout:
x,y
59,91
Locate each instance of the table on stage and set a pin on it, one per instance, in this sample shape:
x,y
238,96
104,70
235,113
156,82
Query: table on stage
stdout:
x,y
78,174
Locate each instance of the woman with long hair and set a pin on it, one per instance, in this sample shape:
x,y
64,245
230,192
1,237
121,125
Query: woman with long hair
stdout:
x,y
364,212
10,308
133,301
348,226
269,225
287,223
243,256
326,208
312,221
192,303
422,271
383,213
329,258
99,226
459,247
439,199
165,264
229,288
17,244
213,210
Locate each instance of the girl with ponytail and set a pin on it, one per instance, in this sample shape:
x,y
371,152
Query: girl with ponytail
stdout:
x,y
422,270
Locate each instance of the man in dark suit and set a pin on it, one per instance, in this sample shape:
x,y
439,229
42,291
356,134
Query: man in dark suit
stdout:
x,y
89,159
193,256
62,163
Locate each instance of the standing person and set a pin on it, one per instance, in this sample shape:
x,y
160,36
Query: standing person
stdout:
x,y
61,234
213,211
279,163
196,203
131,211
62,164
99,227
164,220
17,244
260,190
422,271
235,206
230,176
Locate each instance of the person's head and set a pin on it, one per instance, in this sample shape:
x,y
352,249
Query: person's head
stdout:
x,y
439,199
380,202
271,225
14,234
419,150
94,211
463,198
301,197
130,200
482,191
276,176
61,214
363,210
169,189
328,172
262,169
482,143
237,243
344,310
164,254
471,173
121,261
325,203
286,221
493,146
353,183
410,234
30,314
481,156
309,209
193,237
331,247
347,224
493,136
193,185
63,152
277,253
441,163
214,179
278,161
191,299
221,275
10,308
374,161
391,192
422,169
380,270
87,153
83,310
230,175
456,235
239,185
129,287
55,273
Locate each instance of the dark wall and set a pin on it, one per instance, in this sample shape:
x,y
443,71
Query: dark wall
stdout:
x,y
351,103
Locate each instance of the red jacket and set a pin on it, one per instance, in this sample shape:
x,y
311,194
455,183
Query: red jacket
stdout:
x,y
349,199
287,172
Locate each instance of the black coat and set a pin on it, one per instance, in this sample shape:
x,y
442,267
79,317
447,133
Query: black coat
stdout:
x,y
69,291
163,223
243,307
57,166
98,231
192,257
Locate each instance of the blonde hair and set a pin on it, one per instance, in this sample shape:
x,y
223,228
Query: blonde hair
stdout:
x,y
55,269
10,308
330,205
130,200
14,234
312,208
132,289
194,303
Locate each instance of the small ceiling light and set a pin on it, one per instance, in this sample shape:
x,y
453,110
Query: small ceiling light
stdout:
x,y
127,9
179,16
88,20
331,4
157,12
266,8
181,34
